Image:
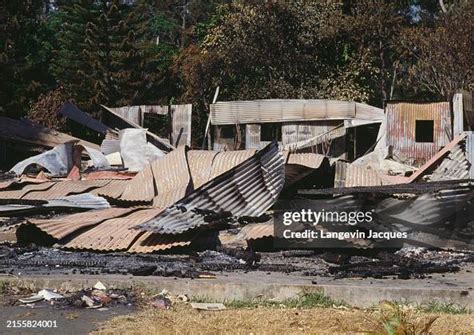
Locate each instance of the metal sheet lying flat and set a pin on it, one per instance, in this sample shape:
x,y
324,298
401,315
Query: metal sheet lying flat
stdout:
x,y
113,234
63,188
18,194
226,160
83,200
7,183
141,188
150,242
249,189
61,227
200,165
112,190
349,175
256,231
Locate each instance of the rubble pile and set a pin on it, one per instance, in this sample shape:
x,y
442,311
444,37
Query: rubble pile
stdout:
x,y
138,194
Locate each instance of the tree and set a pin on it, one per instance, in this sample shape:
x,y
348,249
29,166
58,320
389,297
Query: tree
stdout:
x,y
272,51
107,54
374,30
442,53
23,63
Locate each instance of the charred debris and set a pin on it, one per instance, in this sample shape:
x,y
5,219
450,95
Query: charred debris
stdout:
x,y
154,205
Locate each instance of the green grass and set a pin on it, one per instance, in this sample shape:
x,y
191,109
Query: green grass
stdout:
x,y
440,307
305,300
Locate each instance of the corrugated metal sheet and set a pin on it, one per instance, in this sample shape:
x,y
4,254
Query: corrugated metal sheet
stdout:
x,y
160,110
454,167
110,146
256,231
279,110
320,131
401,126
7,183
470,152
252,136
429,165
349,175
63,188
226,160
310,160
151,242
114,234
172,177
112,190
458,114
141,188
59,228
83,200
468,106
131,113
181,124
300,165
18,194
112,175
200,166
247,189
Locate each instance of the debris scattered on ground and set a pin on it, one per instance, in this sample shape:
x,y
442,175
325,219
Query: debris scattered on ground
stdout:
x,y
208,306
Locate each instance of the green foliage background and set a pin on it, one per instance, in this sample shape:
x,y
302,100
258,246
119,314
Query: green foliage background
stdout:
x,y
160,51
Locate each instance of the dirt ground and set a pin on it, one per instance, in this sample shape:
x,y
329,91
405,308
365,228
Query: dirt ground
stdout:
x,y
262,320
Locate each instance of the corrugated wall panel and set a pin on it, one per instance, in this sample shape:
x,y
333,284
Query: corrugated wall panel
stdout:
x,y
252,136
280,110
181,124
401,125
470,152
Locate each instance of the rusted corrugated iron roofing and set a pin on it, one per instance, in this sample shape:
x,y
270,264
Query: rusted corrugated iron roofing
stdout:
x,y
63,188
151,242
19,194
172,177
402,118
226,160
112,190
200,166
349,175
309,160
141,187
248,189
61,227
454,167
113,234
256,231
300,165
437,157
280,110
